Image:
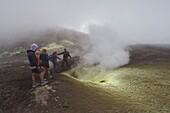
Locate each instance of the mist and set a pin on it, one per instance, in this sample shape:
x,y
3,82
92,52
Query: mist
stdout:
x,y
106,48
145,21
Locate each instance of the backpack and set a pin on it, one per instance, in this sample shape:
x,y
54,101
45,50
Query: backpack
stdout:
x,y
50,57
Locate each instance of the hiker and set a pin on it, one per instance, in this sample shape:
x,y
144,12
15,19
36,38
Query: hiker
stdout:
x,y
53,58
37,53
33,64
65,54
45,63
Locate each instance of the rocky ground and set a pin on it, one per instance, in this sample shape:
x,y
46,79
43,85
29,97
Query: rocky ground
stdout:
x,y
141,86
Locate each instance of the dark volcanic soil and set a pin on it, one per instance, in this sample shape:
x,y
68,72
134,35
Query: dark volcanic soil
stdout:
x,y
144,88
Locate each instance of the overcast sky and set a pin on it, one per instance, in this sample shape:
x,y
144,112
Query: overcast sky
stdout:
x,y
139,21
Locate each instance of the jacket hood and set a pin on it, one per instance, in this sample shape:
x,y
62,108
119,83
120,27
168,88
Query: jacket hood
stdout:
x,y
30,51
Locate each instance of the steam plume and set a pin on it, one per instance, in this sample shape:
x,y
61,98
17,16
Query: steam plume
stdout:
x,y
106,48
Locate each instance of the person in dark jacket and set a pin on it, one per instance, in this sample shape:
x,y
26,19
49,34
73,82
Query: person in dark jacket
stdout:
x,y
66,55
45,62
33,63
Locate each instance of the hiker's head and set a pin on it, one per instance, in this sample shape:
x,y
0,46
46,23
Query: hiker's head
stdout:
x,y
65,49
34,47
37,52
44,49
55,51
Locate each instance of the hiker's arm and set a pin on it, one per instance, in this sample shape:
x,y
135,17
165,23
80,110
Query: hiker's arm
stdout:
x,y
34,60
58,58
69,55
60,53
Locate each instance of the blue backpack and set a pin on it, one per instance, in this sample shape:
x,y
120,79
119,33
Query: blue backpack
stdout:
x,y
50,57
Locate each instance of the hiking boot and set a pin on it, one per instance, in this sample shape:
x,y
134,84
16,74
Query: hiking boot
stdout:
x,y
44,83
35,85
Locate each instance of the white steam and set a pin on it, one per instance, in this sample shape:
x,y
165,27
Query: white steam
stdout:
x,y
106,48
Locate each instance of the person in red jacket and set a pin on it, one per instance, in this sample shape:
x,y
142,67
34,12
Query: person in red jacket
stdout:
x,y
38,57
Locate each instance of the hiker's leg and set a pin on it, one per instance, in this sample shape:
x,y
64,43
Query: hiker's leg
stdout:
x,y
33,78
67,63
54,65
63,64
58,67
48,71
42,74
34,72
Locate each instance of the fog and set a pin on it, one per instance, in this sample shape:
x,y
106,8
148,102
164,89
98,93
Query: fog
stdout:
x,y
145,21
106,48
110,23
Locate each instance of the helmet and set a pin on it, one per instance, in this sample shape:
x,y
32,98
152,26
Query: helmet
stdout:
x,y
34,47
44,49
